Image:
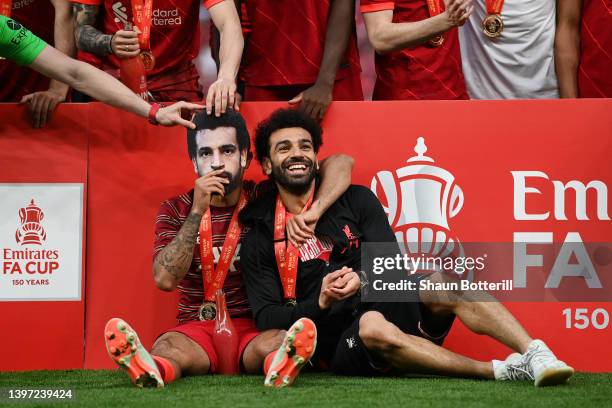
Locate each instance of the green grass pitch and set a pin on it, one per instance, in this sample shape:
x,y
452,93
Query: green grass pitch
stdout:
x,y
104,388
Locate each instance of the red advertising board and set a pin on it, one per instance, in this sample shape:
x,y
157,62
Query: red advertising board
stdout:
x,y
512,169
42,334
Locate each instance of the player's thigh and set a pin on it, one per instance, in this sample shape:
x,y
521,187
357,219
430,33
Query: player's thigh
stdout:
x,y
190,356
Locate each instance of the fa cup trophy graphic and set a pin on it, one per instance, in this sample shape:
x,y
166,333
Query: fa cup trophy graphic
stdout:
x,y
419,199
30,232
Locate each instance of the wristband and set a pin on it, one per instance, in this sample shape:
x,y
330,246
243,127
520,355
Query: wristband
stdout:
x,y
110,45
152,112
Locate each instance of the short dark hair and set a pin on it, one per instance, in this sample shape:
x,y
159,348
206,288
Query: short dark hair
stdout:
x,y
230,118
283,119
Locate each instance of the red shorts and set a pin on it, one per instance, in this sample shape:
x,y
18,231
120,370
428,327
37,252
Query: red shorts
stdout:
x,y
180,84
345,89
201,333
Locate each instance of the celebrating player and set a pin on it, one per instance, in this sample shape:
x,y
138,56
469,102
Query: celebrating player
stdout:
x,y
50,20
319,281
167,39
304,52
219,150
18,44
507,50
417,47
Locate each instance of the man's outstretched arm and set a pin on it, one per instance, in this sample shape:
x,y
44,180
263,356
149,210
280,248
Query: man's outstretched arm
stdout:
x,y
103,87
386,36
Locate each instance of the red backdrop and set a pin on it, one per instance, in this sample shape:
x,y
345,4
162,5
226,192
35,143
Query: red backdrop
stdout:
x,y
43,334
130,167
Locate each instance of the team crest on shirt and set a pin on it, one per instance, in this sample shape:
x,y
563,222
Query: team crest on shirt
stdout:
x,y
120,12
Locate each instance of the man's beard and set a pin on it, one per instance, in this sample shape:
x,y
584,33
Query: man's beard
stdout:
x,y
296,186
234,180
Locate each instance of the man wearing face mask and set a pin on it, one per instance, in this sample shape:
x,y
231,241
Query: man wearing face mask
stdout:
x,y
219,148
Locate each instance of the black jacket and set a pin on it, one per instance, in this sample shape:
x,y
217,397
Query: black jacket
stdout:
x,y
355,217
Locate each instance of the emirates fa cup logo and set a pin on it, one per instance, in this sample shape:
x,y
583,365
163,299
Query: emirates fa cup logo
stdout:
x,y
30,231
419,199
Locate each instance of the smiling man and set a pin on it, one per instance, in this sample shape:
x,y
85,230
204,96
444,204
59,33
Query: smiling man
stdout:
x,y
318,284
219,149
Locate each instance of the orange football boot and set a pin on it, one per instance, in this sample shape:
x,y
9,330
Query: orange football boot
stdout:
x,y
298,347
125,349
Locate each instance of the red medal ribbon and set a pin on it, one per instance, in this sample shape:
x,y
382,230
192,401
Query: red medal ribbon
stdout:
x,y
6,6
212,279
435,7
286,254
142,15
494,6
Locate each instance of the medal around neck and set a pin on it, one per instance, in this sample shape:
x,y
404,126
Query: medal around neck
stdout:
x,y
492,25
208,311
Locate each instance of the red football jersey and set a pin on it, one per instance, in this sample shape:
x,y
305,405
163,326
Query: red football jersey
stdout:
x,y
286,42
422,72
170,219
594,78
175,30
39,17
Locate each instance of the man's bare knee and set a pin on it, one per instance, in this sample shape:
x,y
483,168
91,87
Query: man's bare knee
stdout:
x,y
257,350
183,351
441,302
376,332
270,341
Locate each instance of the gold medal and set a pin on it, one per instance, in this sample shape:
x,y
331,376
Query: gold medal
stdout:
x,y
291,303
208,311
436,41
492,25
148,60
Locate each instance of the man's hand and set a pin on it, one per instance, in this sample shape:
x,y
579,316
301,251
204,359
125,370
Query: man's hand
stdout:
x,y
458,11
205,187
221,95
300,227
337,286
172,115
41,106
125,43
315,100
346,285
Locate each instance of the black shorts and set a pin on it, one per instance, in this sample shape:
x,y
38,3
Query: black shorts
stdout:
x,y
353,358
